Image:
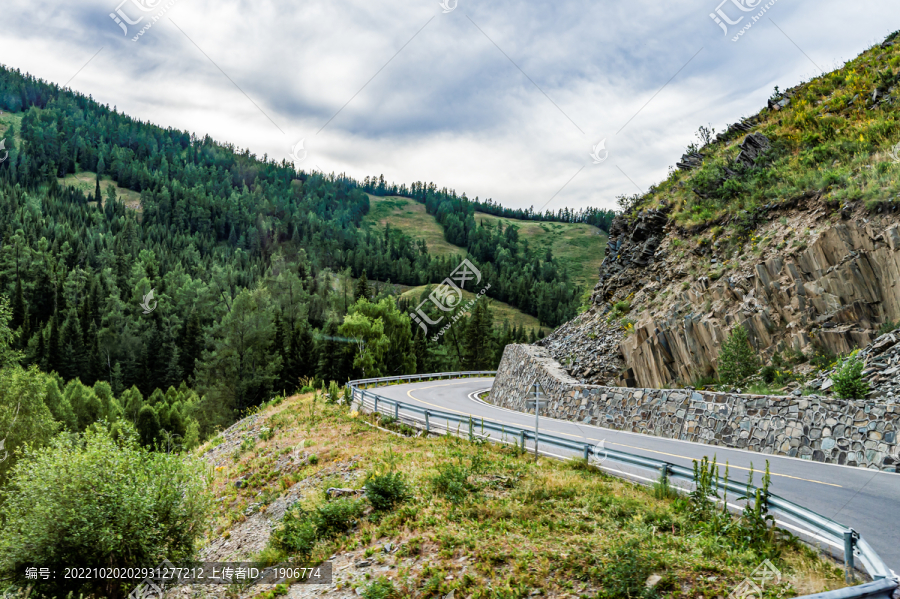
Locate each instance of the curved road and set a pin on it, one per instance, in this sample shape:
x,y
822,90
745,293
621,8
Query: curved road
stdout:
x,y
865,500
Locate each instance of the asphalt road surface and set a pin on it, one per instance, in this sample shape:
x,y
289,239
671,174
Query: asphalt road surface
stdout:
x,y
865,500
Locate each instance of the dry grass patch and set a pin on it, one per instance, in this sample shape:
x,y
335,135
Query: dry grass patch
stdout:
x,y
484,520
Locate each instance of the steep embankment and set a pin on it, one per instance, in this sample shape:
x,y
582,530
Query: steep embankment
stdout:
x,y
473,519
786,223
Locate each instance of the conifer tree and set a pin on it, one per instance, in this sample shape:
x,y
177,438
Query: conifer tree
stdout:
x,y
362,287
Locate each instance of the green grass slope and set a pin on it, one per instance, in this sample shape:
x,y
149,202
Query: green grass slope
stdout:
x,y
471,520
86,181
502,312
579,246
410,217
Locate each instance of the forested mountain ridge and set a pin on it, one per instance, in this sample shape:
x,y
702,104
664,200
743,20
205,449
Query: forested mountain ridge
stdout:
x,y
196,186
248,262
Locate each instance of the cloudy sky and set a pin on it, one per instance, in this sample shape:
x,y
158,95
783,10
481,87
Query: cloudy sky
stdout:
x,y
494,98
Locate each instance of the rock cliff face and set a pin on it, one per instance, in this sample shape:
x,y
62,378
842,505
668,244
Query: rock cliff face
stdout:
x,y
811,273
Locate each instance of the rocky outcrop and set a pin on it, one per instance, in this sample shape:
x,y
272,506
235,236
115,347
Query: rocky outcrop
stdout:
x,y
854,433
631,244
690,161
753,146
808,277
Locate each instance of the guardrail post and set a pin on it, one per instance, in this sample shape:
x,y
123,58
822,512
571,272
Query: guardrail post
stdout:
x,y
587,452
522,439
664,474
376,405
397,411
850,537
427,423
471,438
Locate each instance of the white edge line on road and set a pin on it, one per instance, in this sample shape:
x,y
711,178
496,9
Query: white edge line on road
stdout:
x,y
474,397
694,443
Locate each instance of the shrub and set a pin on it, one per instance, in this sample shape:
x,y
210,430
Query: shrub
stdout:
x,y
337,516
386,490
452,482
87,500
757,532
25,417
821,357
619,310
737,360
348,397
380,588
706,489
888,327
662,488
333,394
848,381
626,573
296,534
300,529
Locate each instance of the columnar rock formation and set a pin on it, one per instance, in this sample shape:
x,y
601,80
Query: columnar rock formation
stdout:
x,y
855,433
822,277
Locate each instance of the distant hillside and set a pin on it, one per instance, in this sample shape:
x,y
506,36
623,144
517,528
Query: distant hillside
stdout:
x,y
580,247
229,273
502,313
410,217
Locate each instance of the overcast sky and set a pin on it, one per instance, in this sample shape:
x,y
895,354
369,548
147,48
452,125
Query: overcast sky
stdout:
x,y
494,98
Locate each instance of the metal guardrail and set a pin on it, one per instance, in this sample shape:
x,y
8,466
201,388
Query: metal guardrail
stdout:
x,y
885,581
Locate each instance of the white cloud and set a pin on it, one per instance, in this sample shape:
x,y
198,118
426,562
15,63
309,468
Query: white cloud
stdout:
x,y
449,107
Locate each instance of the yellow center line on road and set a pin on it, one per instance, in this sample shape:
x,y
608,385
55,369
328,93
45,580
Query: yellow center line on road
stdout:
x,y
673,455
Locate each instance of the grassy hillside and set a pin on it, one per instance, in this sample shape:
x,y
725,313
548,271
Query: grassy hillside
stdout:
x,y
580,247
11,118
832,136
86,181
410,216
473,519
501,311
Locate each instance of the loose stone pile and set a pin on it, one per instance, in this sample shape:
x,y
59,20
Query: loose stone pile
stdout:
x,y
882,371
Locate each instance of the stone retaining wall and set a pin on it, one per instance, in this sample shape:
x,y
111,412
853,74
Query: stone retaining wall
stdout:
x,y
852,432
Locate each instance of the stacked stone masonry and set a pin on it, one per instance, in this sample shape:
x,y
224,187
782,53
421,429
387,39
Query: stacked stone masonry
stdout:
x,y
855,433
